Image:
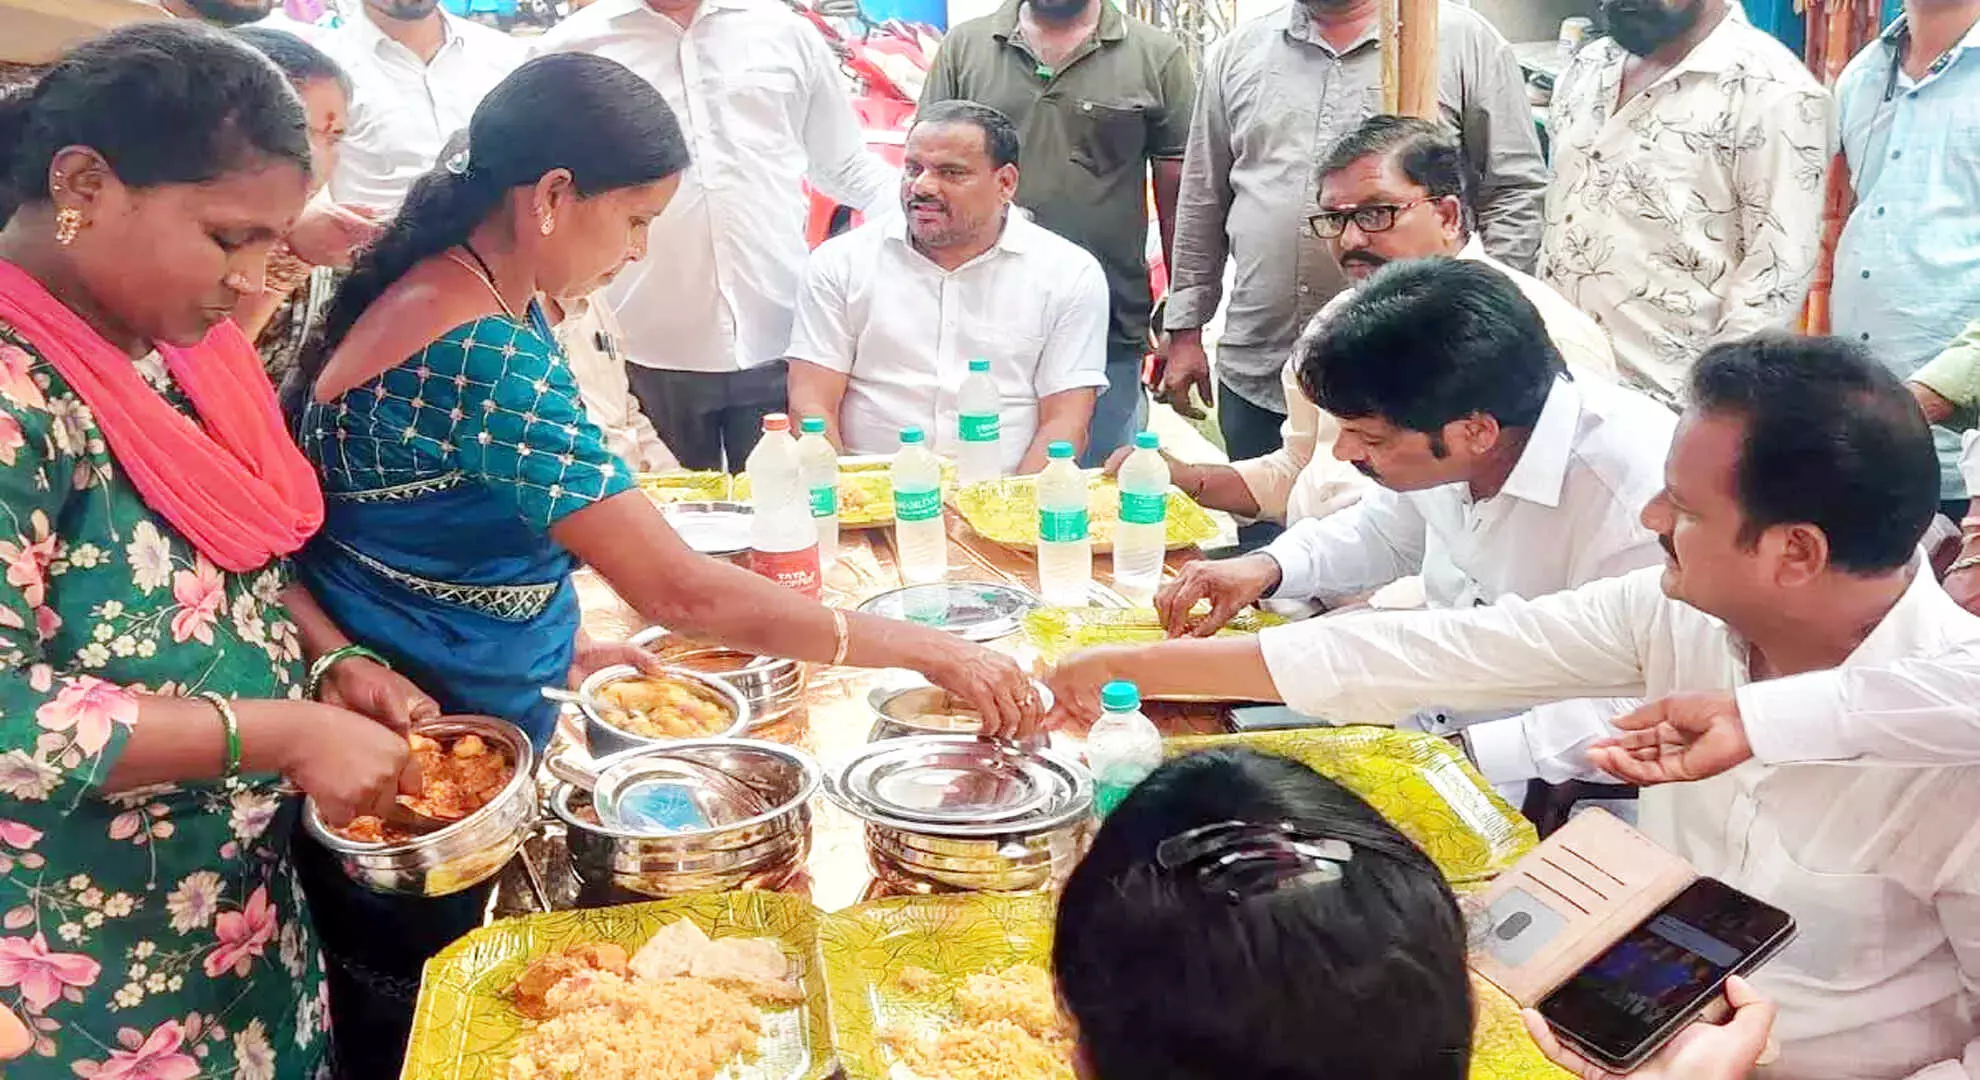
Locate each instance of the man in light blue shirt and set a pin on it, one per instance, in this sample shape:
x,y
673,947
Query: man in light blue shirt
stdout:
x,y
1908,263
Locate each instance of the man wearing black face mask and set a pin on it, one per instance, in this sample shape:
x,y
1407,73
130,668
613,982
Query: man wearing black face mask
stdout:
x,y
1686,206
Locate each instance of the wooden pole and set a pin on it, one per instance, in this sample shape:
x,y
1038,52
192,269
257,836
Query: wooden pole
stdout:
x,y
1416,66
1391,59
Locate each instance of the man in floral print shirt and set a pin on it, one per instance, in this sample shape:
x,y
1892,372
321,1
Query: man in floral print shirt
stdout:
x,y
1690,150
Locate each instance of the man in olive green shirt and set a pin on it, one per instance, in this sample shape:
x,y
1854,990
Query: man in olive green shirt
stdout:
x,y
1099,99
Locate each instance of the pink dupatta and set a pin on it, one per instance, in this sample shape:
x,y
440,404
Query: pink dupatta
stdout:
x,y
233,483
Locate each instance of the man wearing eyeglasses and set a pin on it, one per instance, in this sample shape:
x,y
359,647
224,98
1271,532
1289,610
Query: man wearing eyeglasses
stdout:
x,y
1392,188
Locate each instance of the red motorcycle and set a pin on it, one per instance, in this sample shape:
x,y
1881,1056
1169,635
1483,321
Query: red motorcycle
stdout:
x,y
886,64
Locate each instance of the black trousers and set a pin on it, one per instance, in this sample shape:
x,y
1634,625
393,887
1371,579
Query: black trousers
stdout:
x,y
710,419
374,947
1249,431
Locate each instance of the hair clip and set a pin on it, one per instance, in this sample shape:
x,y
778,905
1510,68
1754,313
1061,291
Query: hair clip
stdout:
x,y
1241,859
458,164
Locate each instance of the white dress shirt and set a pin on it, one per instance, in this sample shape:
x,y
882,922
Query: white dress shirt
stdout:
x,y
1303,479
404,111
1692,213
764,109
1877,864
589,336
904,330
1568,514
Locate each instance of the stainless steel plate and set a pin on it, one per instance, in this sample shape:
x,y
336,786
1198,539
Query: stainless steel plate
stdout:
x,y
720,529
947,782
972,610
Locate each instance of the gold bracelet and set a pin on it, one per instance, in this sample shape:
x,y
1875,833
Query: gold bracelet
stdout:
x,y
844,634
230,726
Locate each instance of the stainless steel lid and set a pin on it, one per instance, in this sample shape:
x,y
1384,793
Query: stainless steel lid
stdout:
x,y
972,610
961,785
712,528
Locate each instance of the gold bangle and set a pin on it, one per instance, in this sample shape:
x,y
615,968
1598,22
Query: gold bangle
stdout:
x,y
230,726
844,635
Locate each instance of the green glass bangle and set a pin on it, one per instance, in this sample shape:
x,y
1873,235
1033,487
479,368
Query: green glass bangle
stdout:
x,y
232,725
313,688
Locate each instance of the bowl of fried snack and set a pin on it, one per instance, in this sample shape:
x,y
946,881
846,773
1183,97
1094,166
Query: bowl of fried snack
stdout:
x,y
475,807
625,708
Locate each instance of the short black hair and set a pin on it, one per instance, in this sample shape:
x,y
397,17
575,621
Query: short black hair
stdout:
x,y
172,102
1833,440
1427,152
1000,136
298,59
1168,979
1424,342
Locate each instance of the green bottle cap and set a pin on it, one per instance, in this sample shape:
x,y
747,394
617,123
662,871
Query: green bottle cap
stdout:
x,y
979,365
812,425
1120,696
911,436
1143,440
1059,450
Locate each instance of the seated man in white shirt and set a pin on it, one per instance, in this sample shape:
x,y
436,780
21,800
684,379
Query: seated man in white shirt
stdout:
x,y
1393,188
892,312
1799,485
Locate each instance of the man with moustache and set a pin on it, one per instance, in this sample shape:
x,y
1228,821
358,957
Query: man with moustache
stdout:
x,y
1686,207
417,72
1799,484
1275,96
1393,188
763,104
892,312
1102,102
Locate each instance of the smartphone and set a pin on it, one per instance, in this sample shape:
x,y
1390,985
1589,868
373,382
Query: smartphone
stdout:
x,y
1631,1000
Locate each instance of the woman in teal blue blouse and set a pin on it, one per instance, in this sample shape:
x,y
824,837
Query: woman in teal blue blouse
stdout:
x,y
464,482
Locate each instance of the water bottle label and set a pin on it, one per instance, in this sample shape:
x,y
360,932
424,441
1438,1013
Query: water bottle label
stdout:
x,y
796,570
917,505
1061,526
1141,508
979,428
1108,796
825,501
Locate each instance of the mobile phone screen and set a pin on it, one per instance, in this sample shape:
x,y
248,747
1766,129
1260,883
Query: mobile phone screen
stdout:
x,y
1622,1005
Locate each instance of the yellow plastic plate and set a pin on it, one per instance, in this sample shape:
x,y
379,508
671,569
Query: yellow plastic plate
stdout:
x,y
676,487
464,1028
1420,782
1057,631
866,491
1006,511
866,947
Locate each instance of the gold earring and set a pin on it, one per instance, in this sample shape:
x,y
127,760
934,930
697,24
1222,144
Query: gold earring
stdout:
x,y
549,224
68,222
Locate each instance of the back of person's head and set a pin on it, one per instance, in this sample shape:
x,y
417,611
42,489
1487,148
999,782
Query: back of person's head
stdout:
x,y
1425,342
1280,966
161,102
1832,439
1000,136
592,117
1426,152
298,59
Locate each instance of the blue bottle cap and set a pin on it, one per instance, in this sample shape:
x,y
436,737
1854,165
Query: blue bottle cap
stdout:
x,y
1059,450
1145,440
911,436
979,365
812,425
1120,696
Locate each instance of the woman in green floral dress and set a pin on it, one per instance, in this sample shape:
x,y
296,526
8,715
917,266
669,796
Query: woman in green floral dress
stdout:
x,y
150,923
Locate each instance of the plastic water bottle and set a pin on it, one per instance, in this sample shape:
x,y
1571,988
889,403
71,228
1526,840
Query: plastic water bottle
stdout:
x,y
918,533
1141,538
1065,554
979,421
783,544
1123,747
820,465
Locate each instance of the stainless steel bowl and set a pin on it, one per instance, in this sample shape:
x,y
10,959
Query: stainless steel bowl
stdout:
x,y
773,686
761,852
889,721
1020,828
605,739
463,854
